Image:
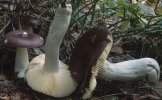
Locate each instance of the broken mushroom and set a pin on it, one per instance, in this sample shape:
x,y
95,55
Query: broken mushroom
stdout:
x,y
22,40
48,75
88,56
131,70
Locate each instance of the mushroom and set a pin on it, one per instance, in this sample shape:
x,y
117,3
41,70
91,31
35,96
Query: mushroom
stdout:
x,y
89,48
29,22
48,75
88,56
131,70
22,40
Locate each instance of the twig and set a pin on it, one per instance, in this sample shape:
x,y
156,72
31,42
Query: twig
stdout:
x,y
149,96
5,26
111,95
11,91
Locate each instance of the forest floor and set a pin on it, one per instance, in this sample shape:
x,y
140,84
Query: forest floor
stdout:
x,y
12,88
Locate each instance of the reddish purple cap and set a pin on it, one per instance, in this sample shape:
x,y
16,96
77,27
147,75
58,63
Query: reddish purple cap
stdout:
x,y
20,38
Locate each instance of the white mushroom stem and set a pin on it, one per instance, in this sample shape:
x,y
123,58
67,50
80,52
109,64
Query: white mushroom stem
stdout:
x,y
55,36
131,70
46,74
21,61
28,29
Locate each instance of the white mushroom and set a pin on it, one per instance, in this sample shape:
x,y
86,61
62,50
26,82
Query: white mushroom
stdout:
x,y
131,70
46,74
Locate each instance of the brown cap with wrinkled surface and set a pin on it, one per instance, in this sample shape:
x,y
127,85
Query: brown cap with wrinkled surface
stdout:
x,y
87,55
20,38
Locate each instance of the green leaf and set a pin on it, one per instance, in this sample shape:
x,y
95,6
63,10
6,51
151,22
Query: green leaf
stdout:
x,y
160,8
101,4
121,2
119,14
144,20
124,25
111,3
37,51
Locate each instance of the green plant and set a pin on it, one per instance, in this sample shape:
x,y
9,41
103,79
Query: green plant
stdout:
x,y
121,17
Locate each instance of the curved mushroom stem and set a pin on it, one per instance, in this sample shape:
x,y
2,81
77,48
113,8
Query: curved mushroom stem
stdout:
x,y
131,70
21,61
46,74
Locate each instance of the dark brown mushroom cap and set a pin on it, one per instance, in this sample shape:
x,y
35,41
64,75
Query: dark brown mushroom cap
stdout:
x,y
20,38
31,21
86,53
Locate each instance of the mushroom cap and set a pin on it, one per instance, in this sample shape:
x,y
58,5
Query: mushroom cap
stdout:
x,y
31,21
58,84
89,54
20,38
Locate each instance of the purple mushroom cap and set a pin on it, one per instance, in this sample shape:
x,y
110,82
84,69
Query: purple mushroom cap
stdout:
x,y
20,38
31,21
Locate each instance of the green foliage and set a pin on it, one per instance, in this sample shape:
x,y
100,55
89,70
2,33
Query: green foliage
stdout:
x,y
121,17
